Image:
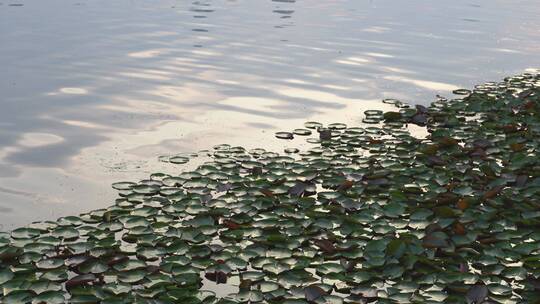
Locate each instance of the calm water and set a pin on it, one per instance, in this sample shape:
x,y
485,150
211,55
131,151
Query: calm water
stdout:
x,y
93,91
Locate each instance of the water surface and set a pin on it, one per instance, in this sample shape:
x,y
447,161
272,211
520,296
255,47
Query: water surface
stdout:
x,y
93,91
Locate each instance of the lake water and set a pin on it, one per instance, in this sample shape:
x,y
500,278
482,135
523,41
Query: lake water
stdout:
x,y
93,92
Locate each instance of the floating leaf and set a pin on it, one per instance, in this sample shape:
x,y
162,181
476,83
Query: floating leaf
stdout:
x,y
313,125
51,296
178,159
313,292
435,240
80,280
477,294
50,264
302,132
284,135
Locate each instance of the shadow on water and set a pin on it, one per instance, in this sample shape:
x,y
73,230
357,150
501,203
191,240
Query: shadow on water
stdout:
x,y
91,90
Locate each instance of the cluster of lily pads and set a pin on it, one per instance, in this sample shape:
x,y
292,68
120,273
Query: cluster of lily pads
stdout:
x,y
369,214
